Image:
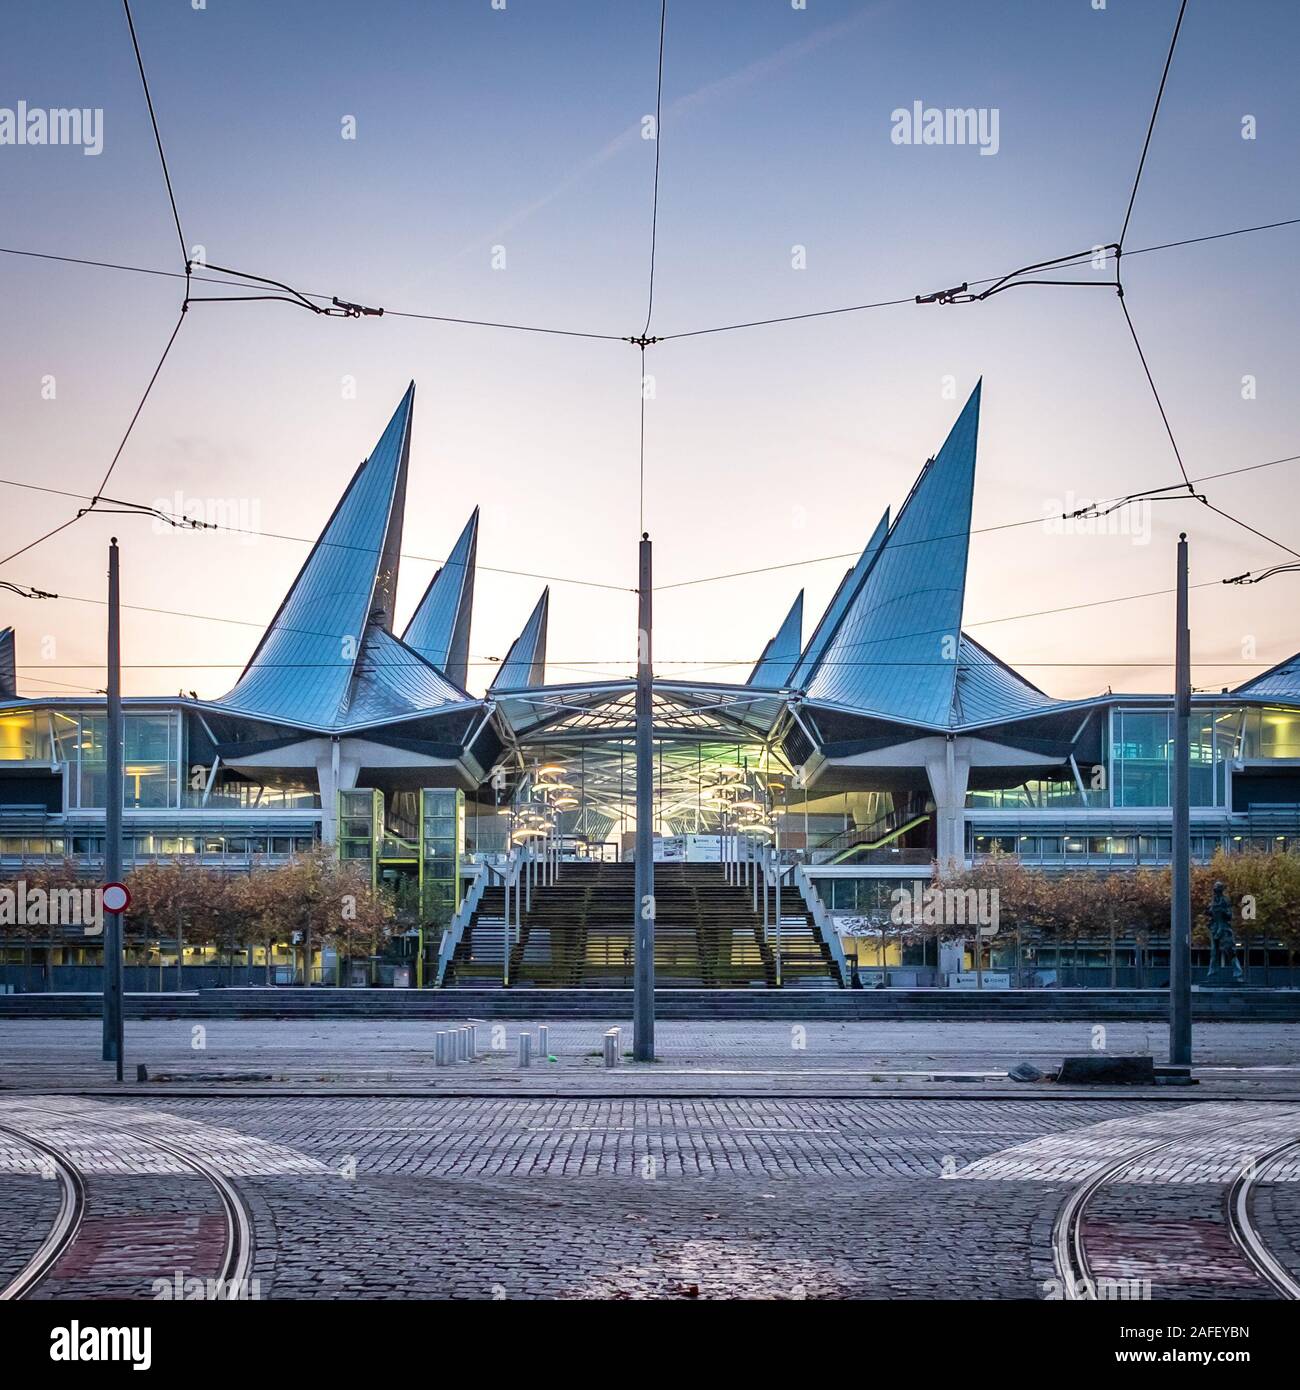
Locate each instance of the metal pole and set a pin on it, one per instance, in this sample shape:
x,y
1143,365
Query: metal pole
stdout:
x,y
1180,920
505,920
767,859
776,837
114,1040
643,979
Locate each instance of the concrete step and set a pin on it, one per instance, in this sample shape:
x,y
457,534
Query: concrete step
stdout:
x,y
758,1002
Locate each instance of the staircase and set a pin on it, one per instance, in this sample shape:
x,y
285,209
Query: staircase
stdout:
x,y
578,933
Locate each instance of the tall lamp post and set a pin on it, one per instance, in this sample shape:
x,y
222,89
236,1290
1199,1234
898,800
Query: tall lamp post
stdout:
x,y
1180,907
643,969
114,1033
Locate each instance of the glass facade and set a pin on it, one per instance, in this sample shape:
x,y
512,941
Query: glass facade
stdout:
x,y
1270,733
442,839
25,737
864,897
1038,793
150,760
361,828
1084,850
240,792
1142,752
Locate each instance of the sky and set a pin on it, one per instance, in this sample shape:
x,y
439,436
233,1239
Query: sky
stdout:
x,y
483,131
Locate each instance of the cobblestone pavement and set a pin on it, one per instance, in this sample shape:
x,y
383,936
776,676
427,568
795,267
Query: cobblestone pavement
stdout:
x,y
492,1197
699,1058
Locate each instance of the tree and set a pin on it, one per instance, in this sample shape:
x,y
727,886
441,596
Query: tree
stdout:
x,y
165,896
319,899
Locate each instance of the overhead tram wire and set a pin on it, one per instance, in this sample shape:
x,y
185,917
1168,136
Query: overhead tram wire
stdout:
x,y
1102,509
95,498
645,340
180,237
183,522
558,579
1128,214
1005,281
1155,111
616,337
157,135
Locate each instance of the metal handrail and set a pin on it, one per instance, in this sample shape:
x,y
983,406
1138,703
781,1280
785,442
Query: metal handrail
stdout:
x,y
469,904
822,922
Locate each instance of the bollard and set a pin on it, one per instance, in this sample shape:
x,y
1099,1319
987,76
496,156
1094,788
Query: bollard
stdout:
x,y
525,1049
440,1049
543,1042
611,1048
472,1030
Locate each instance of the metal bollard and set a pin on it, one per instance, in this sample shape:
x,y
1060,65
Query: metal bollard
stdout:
x,y
440,1049
611,1048
472,1030
458,1040
543,1042
525,1049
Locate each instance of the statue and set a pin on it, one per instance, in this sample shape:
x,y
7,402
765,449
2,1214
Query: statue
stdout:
x,y
1225,969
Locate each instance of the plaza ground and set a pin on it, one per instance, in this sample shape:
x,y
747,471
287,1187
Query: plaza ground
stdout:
x,y
858,1161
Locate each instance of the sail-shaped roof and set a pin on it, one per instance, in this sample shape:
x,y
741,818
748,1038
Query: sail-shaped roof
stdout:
x,y
393,681
830,620
782,652
988,691
895,652
439,627
8,666
1281,681
317,657
525,662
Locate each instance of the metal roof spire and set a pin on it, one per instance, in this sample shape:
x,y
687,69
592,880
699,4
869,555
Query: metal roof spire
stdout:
x,y
525,663
439,627
828,623
782,652
306,663
896,650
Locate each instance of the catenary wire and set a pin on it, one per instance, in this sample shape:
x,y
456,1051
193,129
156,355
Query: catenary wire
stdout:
x,y
162,156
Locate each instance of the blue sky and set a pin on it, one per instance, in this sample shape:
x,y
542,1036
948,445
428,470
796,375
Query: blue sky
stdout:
x,y
521,128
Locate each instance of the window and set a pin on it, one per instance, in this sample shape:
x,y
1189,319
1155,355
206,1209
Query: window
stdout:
x,y
1271,733
1141,757
24,737
989,844
150,760
1033,794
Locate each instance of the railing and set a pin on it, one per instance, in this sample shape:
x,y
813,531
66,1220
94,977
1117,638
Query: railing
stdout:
x,y
892,823
451,937
822,922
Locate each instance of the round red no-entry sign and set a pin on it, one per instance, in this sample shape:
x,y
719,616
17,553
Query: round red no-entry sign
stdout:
x,y
117,897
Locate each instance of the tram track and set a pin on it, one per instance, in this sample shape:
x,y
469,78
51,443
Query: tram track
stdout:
x,y
235,1268
1069,1244
1239,1205
63,1233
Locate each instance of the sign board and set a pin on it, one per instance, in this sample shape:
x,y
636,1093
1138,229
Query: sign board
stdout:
x,y
968,979
116,897
694,849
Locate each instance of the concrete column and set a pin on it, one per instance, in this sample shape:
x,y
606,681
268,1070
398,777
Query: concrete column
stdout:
x,y
335,772
949,774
